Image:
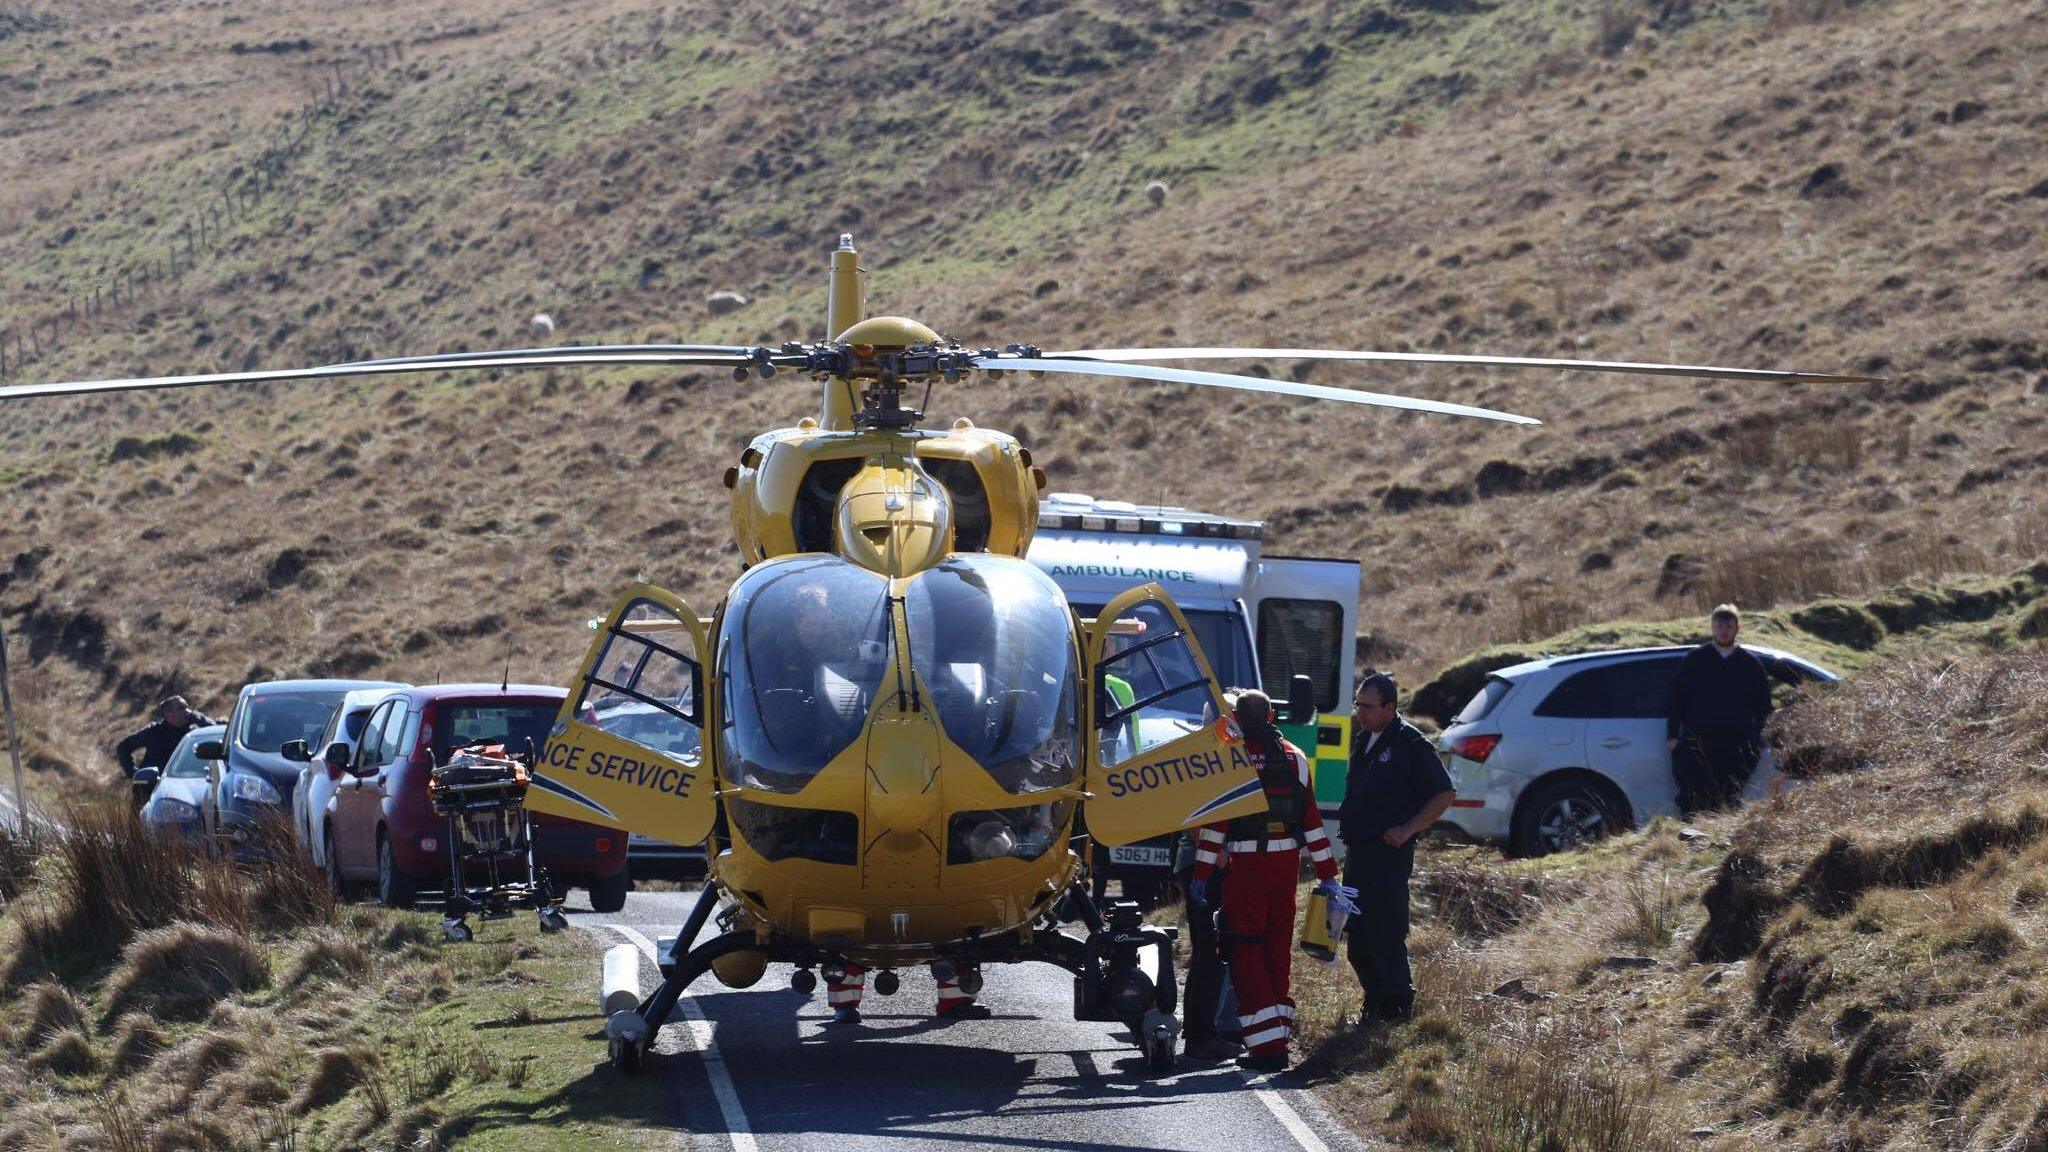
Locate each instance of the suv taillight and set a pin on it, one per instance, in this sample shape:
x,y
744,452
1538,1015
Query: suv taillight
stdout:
x,y
1475,748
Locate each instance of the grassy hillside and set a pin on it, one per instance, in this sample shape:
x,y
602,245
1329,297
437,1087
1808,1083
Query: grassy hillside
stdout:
x,y
1811,183
1855,964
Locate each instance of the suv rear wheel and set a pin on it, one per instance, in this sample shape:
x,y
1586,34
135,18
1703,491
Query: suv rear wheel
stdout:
x,y
1568,813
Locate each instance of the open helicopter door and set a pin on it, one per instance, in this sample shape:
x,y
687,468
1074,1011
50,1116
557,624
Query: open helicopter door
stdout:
x,y
1163,751
627,750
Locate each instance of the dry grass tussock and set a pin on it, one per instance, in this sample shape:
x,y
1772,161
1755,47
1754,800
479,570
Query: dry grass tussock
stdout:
x,y
1857,963
110,880
182,1039
182,971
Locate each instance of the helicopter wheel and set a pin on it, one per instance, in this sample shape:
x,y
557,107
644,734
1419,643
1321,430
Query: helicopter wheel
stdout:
x,y
1161,1050
625,1056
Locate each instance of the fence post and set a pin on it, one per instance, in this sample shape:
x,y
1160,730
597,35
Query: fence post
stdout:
x,y
24,825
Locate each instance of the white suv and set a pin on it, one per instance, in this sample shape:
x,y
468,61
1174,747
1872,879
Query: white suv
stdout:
x,y
1565,750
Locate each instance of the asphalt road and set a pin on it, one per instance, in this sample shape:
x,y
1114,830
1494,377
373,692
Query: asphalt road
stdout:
x,y
763,1069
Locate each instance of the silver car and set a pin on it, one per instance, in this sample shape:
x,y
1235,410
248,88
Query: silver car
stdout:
x,y
1565,750
182,801
318,779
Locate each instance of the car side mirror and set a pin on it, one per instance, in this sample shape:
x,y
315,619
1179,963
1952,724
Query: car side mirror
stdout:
x,y
336,759
211,750
296,751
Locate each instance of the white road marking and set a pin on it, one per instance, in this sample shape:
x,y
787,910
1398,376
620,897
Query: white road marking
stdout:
x,y
701,1036
741,1132
1290,1120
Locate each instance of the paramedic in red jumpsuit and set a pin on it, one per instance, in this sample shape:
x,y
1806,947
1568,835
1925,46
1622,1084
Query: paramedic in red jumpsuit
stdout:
x,y
1264,852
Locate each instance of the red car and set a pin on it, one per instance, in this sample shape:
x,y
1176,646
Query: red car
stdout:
x,y
382,828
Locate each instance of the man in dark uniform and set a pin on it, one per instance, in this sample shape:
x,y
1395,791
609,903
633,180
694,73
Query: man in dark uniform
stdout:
x,y
1202,998
1715,722
1397,789
157,740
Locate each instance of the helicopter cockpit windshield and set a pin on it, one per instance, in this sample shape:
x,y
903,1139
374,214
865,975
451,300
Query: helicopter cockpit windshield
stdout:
x,y
803,648
992,642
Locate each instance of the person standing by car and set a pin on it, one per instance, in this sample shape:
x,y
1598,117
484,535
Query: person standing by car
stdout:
x,y
156,740
1714,725
1396,789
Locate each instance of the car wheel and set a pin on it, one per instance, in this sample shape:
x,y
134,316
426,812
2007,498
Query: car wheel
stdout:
x,y
396,887
1569,813
334,877
608,893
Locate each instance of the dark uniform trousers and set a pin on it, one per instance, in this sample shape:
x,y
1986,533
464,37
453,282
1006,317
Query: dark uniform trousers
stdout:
x,y
1376,940
1204,991
1711,766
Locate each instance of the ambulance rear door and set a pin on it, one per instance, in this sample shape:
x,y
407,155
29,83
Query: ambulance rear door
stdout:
x,y
1304,614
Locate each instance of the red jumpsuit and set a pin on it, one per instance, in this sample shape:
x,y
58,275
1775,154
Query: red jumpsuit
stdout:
x,y
1264,856
847,993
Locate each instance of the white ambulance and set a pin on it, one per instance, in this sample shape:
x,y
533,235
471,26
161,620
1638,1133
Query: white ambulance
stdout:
x,y
1261,620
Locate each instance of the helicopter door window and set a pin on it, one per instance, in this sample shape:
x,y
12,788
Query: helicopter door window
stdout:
x,y
992,642
1151,690
643,688
802,651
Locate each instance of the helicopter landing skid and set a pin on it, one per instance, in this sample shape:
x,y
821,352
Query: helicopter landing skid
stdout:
x,y
1111,983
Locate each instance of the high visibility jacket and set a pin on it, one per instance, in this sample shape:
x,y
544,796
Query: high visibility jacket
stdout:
x,y
1291,824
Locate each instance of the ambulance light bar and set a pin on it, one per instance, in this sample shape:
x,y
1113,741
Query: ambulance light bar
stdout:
x,y
1193,524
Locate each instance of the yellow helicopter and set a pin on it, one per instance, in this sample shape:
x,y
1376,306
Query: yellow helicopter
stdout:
x,y
893,735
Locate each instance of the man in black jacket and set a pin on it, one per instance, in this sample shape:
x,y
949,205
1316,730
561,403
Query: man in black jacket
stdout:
x,y
157,740
1715,722
1395,790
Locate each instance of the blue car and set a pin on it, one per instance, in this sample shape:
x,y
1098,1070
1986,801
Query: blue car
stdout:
x,y
180,802
271,724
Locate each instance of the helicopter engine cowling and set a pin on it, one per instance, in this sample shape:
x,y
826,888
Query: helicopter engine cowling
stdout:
x,y
893,518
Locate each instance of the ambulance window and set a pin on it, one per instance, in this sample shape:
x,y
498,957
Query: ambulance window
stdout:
x,y
992,641
1149,690
1301,638
646,685
802,651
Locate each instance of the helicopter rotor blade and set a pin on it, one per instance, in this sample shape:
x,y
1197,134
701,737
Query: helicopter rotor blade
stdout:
x,y
1243,383
575,350
448,362
1695,371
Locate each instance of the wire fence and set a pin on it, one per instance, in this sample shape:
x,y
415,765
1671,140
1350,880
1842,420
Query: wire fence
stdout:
x,y
147,274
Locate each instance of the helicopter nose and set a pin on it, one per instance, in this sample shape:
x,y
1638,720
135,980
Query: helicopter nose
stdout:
x,y
902,796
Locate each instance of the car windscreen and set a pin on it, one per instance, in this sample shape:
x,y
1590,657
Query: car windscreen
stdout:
x,y
271,720
992,641
521,726
185,762
1484,701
